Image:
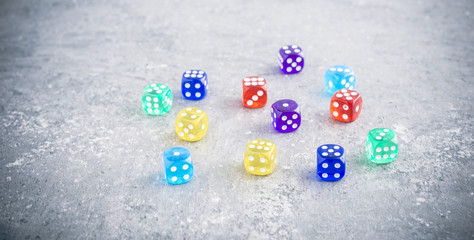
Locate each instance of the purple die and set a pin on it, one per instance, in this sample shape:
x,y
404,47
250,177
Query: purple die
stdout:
x,y
291,59
286,115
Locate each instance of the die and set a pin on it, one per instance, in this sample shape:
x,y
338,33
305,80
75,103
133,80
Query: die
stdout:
x,y
191,124
157,99
254,92
260,157
346,105
178,165
339,77
331,162
291,59
194,84
382,145
286,115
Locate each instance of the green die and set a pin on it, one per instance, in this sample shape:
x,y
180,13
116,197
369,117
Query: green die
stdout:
x,y
382,145
157,99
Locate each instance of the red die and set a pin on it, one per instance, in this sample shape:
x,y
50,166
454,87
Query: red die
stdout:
x,y
346,105
255,92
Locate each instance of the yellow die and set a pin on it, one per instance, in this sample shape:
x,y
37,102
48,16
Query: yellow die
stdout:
x,y
260,157
191,124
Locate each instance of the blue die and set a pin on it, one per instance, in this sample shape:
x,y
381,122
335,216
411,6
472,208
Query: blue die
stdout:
x,y
194,84
339,77
178,165
331,162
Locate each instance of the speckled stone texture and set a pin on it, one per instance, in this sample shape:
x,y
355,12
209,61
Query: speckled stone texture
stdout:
x,y
80,159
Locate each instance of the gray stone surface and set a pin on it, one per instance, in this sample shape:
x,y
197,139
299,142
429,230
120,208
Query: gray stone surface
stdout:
x,y
79,158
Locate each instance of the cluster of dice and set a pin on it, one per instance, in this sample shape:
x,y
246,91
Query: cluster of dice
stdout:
x,y
260,155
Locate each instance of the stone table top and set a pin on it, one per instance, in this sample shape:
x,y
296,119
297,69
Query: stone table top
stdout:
x,y
80,159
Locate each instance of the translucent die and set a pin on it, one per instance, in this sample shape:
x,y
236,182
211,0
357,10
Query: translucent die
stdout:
x,y
157,99
382,145
260,157
286,115
290,59
178,165
254,92
191,124
331,162
339,77
345,105
194,84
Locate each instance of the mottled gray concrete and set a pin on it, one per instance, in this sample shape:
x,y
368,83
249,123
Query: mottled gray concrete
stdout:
x,y
79,158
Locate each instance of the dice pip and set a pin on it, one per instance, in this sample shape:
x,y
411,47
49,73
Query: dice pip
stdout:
x,y
254,92
331,162
157,99
260,157
286,115
191,124
291,59
339,77
346,105
194,84
178,165
382,145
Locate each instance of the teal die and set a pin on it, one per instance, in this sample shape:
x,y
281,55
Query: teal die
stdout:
x,y
382,145
157,99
